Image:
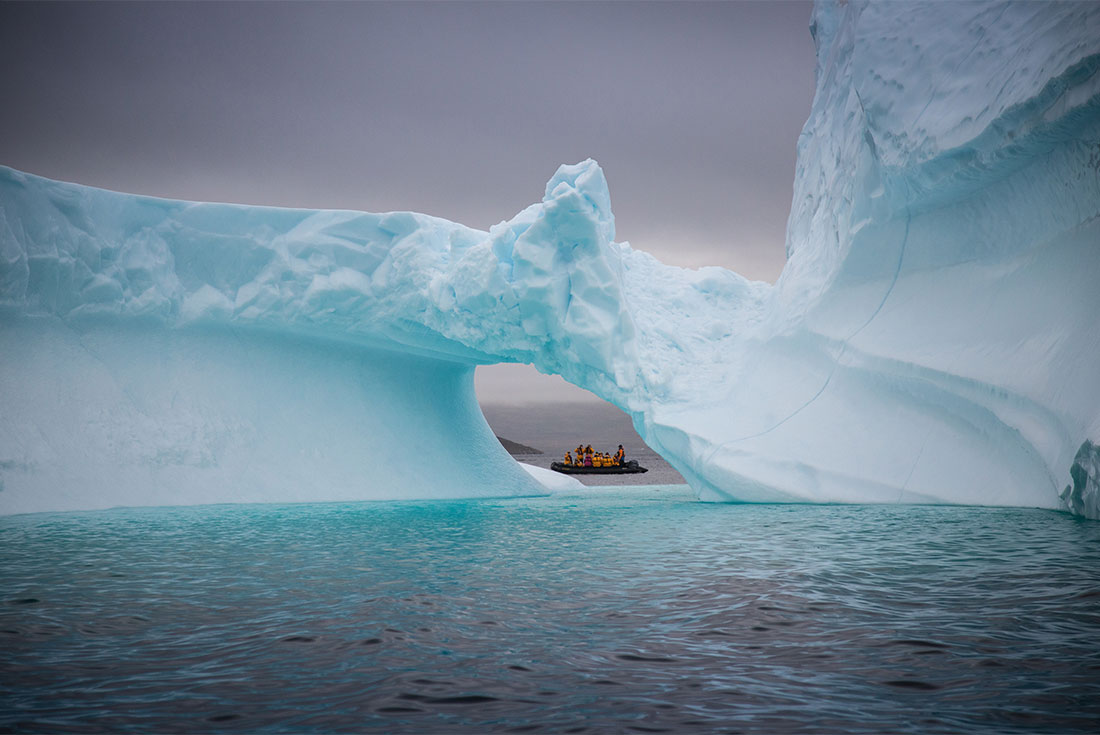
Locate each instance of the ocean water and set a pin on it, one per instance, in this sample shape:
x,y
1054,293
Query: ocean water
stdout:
x,y
608,610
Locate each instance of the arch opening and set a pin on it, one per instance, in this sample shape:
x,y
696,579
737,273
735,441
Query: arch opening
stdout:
x,y
533,411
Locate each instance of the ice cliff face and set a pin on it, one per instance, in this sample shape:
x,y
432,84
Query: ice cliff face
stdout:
x,y
934,335
944,250
932,338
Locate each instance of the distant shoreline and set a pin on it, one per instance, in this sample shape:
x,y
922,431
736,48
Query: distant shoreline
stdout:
x,y
515,448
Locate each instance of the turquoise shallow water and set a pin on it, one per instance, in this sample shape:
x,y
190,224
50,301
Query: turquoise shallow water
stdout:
x,y
612,610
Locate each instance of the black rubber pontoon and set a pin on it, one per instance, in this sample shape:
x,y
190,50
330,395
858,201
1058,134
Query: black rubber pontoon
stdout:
x,y
630,468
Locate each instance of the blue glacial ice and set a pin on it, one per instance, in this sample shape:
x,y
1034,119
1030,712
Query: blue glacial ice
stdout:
x,y
933,337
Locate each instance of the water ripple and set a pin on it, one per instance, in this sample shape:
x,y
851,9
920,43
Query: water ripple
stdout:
x,y
624,610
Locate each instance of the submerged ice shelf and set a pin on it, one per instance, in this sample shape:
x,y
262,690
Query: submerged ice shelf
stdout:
x,y
933,337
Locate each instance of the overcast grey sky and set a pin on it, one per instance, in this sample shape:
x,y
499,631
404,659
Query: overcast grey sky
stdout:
x,y
461,110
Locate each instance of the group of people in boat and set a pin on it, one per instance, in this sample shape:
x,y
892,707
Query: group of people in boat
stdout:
x,y
586,457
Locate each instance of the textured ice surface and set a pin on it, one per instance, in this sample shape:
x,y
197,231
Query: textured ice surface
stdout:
x,y
1082,495
934,334
933,337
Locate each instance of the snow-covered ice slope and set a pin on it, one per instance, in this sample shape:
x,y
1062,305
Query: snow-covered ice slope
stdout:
x,y
932,338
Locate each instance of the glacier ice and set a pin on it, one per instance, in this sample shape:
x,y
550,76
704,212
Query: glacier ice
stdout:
x,y
553,481
933,337
1082,495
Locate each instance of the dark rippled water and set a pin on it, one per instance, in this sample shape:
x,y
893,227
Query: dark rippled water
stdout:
x,y
619,610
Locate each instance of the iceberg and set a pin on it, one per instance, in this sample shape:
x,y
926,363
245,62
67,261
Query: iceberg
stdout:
x,y
553,481
1082,496
932,338
934,335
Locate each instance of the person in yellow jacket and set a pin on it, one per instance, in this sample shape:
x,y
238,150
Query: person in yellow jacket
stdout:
x,y
568,459
597,460
620,456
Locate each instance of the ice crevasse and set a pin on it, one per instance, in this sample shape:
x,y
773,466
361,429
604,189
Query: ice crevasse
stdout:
x,y
934,336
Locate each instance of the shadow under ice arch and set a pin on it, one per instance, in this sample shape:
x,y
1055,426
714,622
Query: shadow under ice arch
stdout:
x,y
932,338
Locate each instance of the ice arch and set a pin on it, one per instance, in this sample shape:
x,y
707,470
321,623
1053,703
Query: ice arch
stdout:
x,y
932,338
163,352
